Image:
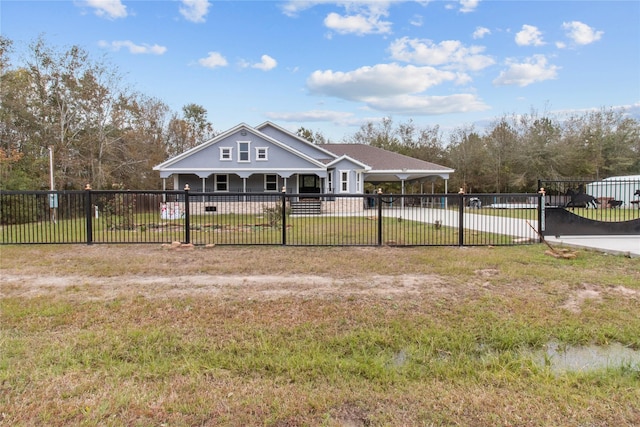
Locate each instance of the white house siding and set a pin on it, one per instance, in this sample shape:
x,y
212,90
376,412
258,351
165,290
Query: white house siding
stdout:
x,y
618,188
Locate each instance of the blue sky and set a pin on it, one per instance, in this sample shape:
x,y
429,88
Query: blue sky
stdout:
x,y
331,66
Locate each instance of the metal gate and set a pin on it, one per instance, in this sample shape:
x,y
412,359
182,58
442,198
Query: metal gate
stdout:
x,y
583,207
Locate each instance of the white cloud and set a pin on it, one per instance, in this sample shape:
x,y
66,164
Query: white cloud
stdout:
x,y
529,36
448,53
467,6
267,63
429,105
311,116
480,32
360,24
360,16
416,20
293,7
392,88
534,69
108,8
382,80
133,48
214,60
581,33
195,10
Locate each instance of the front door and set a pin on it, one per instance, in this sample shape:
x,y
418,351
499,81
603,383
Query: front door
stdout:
x,y
309,184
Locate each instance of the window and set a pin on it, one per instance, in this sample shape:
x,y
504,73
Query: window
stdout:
x,y
271,182
222,182
358,182
330,181
225,153
344,182
261,153
243,151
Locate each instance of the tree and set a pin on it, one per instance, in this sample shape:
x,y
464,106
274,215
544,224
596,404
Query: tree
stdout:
x,y
309,135
501,140
187,131
100,132
536,155
381,135
468,152
142,144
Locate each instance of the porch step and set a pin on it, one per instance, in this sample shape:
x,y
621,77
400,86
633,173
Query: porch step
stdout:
x,y
306,207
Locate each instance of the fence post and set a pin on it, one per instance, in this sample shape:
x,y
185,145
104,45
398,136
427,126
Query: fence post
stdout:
x,y
88,212
461,219
541,212
187,223
379,201
284,216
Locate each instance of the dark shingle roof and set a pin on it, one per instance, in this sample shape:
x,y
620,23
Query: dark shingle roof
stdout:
x,y
380,159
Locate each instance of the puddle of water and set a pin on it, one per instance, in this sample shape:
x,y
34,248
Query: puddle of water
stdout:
x,y
564,358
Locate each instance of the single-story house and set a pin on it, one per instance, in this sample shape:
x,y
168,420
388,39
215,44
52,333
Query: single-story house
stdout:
x,y
268,158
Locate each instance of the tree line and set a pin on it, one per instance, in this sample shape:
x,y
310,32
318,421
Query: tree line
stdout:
x,y
99,131
106,134
514,151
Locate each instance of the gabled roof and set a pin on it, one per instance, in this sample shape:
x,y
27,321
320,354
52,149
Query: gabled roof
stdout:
x,y
378,164
383,160
241,127
319,147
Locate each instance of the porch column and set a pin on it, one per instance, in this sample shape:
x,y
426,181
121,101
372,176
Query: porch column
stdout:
x,y
285,176
244,189
244,175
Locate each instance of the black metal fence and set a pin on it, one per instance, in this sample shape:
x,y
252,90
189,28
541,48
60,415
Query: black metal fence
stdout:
x,y
609,200
604,208
98,217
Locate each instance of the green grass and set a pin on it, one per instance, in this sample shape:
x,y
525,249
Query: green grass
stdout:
x,y
248,229
446,343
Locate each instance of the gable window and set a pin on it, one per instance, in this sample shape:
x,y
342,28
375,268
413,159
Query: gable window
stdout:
x,y
225,153
222,182
344,181
261,153
271,182
243,151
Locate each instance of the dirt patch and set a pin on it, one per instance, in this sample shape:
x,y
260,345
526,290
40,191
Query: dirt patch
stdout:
x,y
224,286
578,298
594,293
